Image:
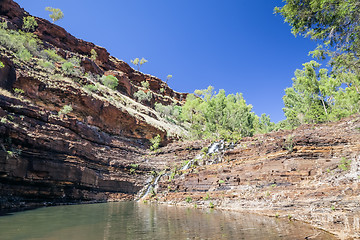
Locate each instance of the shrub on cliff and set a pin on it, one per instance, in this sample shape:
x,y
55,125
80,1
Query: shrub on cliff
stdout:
x,y
91,87
51,55
24,55
46,64
155,142
19,40
145,84
29,24
65,110
143,96
110,81
68,67
93,54
169,111
2,64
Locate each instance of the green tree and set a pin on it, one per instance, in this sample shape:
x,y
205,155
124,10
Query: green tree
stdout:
x,y
335,23
29,24
317,96
215,115
56,13
265,125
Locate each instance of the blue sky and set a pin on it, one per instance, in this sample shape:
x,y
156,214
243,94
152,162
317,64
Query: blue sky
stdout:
x,y
236,45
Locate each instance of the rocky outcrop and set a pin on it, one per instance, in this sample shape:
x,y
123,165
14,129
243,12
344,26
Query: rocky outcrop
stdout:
x,y
309,174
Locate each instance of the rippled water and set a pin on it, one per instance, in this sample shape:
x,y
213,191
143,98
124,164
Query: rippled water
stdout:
x,y
131,220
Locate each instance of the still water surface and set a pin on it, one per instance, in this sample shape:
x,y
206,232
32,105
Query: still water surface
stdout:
x,y
131,220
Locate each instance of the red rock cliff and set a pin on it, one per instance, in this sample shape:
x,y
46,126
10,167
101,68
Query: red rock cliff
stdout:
x,y
92,153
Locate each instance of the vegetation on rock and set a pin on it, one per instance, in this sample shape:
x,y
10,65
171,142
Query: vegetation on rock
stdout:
x,y
155,142
29,24
110,81
215,115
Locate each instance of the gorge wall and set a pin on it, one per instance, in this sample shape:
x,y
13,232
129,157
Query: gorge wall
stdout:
x,y
99,150
96,151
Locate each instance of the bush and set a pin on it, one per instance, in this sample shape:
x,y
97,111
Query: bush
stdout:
x,y
18,40
24,55
68,67
172,111
18,91
29,24
93,54
110,81
91,87
2,64
143,96
344,164
51,55
75,61
145,84
214,115
3,25
46,64
65,110
155,142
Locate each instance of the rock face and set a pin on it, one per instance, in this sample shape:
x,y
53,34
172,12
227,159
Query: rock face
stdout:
x,y
311,174
93,152
97,151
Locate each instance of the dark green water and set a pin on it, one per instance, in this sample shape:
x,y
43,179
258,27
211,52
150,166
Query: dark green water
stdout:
x,y
130,220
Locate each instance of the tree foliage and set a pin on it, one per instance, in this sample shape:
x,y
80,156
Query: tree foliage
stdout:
x,y
29,24
335,23
215,115
317,96
56,14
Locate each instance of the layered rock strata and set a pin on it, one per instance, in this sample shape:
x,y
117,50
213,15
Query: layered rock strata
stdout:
x,y
93,152
310,174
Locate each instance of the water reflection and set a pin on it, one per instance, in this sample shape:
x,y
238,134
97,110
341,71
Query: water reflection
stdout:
x,y
132,220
